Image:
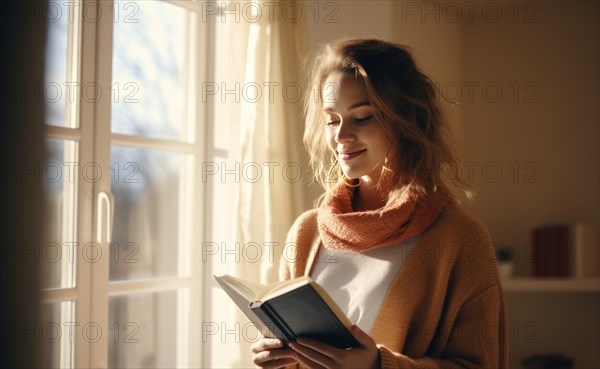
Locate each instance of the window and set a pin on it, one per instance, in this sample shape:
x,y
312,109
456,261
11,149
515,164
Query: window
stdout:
x,y
125,136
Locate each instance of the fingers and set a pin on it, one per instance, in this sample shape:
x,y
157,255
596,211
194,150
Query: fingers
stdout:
x,y
311,352
323,348
268,353
266,344
277,364
306,362
318,355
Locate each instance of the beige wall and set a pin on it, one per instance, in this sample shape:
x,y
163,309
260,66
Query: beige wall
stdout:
x,y
329,20
543,134
555,63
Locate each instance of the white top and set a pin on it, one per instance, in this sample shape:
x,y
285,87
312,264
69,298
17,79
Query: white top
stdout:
x,y
359,281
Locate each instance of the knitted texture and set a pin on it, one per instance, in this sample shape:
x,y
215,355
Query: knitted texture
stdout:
x,y
445,308
342,228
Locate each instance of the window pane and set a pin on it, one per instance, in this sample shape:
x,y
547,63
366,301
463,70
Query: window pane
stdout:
x,y
60,90
56,331
143,330
148,70
57,251
55,74
146,185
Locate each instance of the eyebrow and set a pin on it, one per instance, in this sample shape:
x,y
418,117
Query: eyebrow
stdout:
x,y
353,106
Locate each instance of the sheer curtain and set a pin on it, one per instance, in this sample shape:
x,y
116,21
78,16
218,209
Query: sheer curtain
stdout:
x,y
268,43
271,139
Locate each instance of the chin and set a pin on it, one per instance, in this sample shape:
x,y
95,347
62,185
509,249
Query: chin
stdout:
x,y
352,174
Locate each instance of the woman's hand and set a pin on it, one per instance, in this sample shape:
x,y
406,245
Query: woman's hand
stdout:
x,y
318,355
268,353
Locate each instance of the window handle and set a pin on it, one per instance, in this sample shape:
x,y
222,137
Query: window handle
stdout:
x,y
105,206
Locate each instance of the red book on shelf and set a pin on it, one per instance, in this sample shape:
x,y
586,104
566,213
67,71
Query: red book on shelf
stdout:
x,y
550,248
562,262
536,236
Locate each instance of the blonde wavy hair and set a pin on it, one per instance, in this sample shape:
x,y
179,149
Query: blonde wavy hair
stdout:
x,y
405,102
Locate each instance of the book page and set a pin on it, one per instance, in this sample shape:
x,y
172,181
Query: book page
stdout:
x,y
277,289
249,290
231,286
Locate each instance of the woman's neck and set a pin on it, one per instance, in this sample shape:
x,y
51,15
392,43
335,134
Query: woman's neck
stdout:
x,y
368,198
372,192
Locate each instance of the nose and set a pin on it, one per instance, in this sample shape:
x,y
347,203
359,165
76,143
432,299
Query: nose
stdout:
x,y
345,132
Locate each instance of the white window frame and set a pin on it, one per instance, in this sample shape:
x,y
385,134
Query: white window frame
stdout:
x,y
90,46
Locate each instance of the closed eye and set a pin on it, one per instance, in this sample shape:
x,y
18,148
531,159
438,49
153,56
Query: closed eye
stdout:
x,y
363,120
332,122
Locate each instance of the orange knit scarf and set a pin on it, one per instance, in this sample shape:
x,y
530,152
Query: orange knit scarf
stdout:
x,y
341,228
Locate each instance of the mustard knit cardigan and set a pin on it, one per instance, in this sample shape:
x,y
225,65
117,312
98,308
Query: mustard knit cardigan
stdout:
x,y
446,306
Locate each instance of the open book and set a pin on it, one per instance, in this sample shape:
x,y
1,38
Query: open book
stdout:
x,y
289,309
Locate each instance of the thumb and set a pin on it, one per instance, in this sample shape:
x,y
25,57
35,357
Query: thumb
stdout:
x,y
361,336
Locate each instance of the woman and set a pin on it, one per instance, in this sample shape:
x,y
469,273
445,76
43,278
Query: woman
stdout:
x,y
411,269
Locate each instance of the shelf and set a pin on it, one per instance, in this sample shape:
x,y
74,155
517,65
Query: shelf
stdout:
x,y
549,284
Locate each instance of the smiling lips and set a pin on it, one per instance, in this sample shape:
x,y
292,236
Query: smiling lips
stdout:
x,y
347,155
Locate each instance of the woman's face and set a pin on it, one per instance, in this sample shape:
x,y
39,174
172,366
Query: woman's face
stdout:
x,y
353,133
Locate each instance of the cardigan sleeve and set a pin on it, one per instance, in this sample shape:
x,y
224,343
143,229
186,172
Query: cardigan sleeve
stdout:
x,y
298,244
284,266
477,339
289,255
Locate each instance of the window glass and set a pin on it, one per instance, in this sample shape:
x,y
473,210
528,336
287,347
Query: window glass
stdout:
x,y
57,250
149,69
55,88
143,330
146,189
